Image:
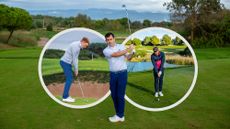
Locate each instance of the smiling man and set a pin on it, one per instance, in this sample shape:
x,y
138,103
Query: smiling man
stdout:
x,y
117,55
68,59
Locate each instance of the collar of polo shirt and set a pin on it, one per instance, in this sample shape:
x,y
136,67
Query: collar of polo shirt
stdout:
x,y
113,46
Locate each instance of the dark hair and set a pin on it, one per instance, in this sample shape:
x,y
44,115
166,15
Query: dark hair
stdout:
x,y
109,34
155,49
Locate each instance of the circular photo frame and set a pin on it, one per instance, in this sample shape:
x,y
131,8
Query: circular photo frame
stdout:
x,y
40,73
193,80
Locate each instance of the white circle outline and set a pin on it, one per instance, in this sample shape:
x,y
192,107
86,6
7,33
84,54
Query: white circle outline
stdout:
x,y
40,71
189,90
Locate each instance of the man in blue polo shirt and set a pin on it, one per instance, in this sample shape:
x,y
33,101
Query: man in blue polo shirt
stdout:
x,y
117,54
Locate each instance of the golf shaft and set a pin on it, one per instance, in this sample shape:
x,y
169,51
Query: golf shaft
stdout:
x,y
80,88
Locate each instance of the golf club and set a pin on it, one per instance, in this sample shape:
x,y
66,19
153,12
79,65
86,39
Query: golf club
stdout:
x,y
79,83
158,98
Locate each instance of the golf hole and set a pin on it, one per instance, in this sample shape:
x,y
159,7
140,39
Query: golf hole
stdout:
x,y
140,64
91,92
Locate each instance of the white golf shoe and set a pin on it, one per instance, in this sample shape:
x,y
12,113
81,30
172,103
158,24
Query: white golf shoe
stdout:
x,y
161,94
156,94
116,118
69,100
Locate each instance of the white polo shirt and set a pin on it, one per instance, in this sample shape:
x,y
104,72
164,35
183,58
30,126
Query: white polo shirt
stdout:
x,y
115,63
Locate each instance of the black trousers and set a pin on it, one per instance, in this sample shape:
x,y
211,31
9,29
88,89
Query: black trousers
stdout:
x,y
158,81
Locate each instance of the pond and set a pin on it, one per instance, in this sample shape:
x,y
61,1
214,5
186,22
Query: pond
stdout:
x,y
145,66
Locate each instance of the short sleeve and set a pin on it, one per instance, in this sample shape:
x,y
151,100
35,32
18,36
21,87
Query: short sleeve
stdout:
x,y
107,53
122,47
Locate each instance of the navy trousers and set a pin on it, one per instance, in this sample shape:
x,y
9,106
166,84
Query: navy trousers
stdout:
x,y
67,68
118,81
158,82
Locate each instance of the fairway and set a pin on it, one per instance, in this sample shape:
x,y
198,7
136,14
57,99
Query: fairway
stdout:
x,y
52,66
25,104
177,81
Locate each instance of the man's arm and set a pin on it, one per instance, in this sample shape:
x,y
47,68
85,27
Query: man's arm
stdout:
x,y
123,52
75,60
154,64
119,53
162,62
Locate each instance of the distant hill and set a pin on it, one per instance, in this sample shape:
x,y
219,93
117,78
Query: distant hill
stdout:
x,y
105,13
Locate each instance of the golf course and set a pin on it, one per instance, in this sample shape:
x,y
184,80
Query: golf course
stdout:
x,y
25,104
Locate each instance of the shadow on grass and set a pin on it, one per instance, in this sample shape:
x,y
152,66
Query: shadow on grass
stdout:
x,y
140,88
94,76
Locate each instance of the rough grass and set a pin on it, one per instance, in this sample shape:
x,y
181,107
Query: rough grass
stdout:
x,y
179,60
19,38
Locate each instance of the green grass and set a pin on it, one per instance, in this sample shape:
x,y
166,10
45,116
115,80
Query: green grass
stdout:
x,y
140,86
25,104
52,66
80,101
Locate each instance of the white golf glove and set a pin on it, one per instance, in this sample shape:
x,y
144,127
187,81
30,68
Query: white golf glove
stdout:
x,y
160,72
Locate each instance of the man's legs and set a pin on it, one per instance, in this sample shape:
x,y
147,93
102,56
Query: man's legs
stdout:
x,y
156,82
113,89
122,81
161,82
67,68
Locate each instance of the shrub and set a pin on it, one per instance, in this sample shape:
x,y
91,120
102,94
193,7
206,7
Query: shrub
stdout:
x,y
49,27
86,54
186,52
52,53
97,48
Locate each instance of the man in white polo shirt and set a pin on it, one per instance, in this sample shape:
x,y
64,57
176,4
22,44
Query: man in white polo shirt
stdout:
x,y
117,55
68,59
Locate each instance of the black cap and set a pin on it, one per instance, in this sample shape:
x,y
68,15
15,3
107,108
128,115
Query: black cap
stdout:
x,y
155,49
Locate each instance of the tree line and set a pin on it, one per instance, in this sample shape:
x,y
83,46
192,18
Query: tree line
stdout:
x,y
204,23
155,41
82,20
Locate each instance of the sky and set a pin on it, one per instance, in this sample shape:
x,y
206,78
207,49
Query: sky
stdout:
x,y
138,5
66,38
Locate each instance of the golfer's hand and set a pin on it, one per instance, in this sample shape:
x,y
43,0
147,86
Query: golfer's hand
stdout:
x,y
76,73
131,47
159,74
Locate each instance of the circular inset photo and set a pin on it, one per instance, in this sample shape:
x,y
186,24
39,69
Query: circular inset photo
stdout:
x,y
162,71
73,70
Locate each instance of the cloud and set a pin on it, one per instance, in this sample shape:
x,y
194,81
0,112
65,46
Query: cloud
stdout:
x,y
138,5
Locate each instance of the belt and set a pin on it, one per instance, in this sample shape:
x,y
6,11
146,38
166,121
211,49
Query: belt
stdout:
x,y
120,71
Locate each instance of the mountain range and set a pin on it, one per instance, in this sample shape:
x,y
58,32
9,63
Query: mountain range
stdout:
x,y
96,14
